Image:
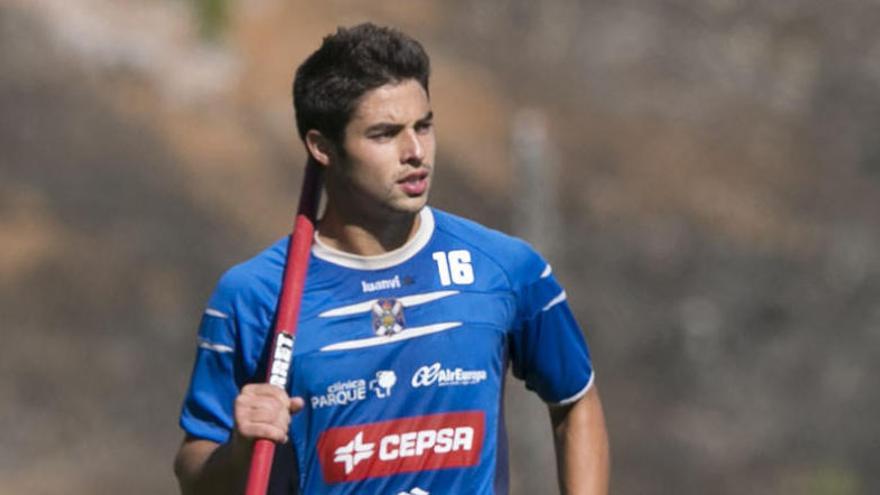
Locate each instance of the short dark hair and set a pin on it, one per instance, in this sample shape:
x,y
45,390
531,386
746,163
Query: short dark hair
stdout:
x,y
349,63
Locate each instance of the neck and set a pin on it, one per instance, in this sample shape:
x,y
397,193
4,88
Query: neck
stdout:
x,y
364,236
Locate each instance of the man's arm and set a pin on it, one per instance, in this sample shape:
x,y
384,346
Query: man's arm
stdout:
x,y
203,466
582,454
206,467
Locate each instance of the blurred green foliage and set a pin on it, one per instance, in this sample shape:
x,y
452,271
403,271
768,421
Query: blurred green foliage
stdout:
x,y
213,16
828,479
834,480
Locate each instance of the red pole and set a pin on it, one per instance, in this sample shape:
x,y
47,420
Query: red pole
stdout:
x,y
281,355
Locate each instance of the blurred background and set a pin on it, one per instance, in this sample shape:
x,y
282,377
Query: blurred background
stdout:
x,y
704,176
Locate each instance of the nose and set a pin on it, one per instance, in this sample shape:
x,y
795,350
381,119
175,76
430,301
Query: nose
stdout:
x,y
412,150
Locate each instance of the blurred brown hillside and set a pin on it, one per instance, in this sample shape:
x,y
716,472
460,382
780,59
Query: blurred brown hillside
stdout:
x,y
713,212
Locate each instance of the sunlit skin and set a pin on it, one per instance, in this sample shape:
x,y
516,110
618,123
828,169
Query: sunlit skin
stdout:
x,y
583,458
380,179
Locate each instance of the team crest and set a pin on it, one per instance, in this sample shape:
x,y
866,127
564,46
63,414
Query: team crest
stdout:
x,y
388,317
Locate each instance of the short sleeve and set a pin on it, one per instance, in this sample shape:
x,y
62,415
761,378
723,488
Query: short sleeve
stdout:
x,y
207,406
232,342
547,346
220,368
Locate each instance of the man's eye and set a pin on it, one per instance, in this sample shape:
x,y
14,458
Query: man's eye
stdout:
x,y
424,126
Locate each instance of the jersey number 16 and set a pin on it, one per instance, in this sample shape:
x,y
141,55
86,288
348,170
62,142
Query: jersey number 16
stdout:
x,y
454,267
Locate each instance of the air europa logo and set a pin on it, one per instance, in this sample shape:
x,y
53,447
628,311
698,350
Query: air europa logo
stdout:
x,y
417,443
436,374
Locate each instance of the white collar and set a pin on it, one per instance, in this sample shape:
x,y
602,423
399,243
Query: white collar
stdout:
x,y
384,260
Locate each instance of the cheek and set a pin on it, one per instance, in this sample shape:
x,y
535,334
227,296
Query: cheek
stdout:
x,y
373,171
365,158
429,143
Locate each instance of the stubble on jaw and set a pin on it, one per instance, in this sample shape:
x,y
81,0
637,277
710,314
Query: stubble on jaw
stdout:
x,y
351,228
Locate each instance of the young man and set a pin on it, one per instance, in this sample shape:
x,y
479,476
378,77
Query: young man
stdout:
x,y
409,321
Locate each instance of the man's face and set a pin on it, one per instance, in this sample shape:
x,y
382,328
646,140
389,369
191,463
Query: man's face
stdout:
x,y
389,150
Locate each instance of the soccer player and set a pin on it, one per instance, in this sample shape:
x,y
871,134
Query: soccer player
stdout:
x,y
410,317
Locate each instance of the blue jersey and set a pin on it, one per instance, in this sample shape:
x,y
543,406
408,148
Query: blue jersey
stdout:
x,y
400,358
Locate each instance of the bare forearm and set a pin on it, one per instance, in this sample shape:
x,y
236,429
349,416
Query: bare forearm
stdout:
x,y
261,410
204,467
581,441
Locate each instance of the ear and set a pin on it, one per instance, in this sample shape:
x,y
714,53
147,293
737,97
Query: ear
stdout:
x,y
320,147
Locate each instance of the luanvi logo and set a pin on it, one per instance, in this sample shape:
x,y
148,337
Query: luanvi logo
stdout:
x,y
404,445
390,283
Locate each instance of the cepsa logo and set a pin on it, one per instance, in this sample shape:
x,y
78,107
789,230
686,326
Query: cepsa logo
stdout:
x,y
417,443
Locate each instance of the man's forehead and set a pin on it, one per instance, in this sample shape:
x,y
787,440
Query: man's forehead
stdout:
x,y
399,102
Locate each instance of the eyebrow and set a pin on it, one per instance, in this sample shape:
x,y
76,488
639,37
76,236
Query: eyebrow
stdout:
x,y
387,126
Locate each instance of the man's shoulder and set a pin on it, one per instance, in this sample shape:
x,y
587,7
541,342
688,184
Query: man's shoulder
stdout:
x,y
468,230
249,279
513,255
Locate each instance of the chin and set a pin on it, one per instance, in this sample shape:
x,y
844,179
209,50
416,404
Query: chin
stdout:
x,y
410,205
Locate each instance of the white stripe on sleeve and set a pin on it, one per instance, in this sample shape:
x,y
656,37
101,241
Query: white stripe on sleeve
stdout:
x,y
577,396
556,300
215,313
211,346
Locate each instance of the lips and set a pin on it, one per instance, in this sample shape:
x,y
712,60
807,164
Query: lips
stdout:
x,y
415,183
